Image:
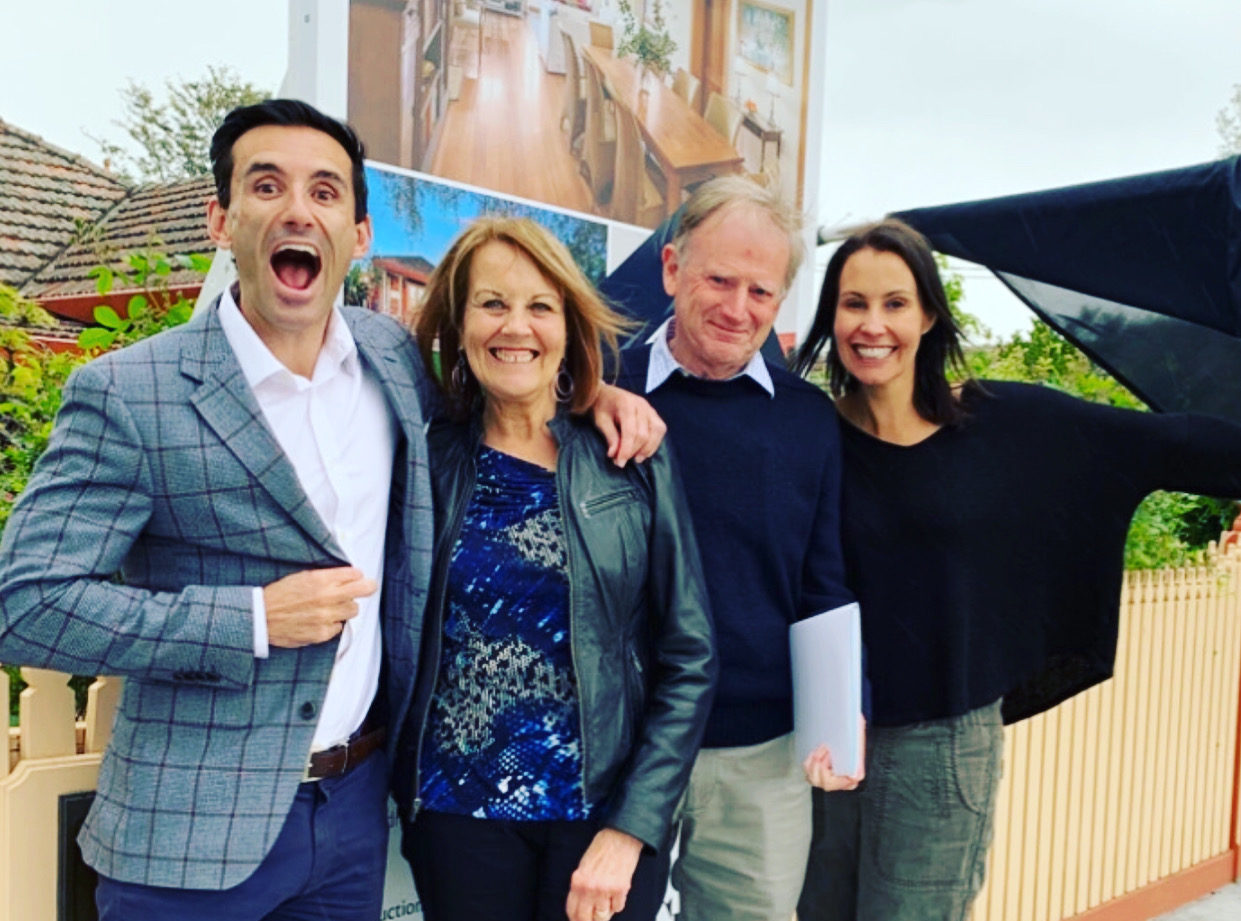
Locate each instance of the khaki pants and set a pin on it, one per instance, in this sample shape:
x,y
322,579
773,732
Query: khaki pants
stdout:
x,y
745,834
911,843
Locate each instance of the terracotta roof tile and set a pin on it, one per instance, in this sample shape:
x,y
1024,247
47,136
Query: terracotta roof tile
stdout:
x,y
173,214
46,195
414,267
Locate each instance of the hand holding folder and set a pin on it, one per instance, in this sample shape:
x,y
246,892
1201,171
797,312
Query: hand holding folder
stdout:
x,y
827,693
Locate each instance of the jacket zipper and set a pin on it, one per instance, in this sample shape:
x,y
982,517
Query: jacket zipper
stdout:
x,y
596,504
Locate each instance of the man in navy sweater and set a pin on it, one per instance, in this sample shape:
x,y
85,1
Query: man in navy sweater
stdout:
x,y
759,454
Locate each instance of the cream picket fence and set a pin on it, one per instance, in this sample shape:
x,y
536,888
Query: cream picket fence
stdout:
x,y
1111,801
49,755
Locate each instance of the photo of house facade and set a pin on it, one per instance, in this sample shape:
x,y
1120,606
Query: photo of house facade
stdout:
x,y
415,219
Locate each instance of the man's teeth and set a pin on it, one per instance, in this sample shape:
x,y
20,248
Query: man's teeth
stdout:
x,y
874,351
513,356
297,248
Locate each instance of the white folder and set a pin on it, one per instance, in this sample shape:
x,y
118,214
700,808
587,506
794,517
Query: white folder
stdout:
x,y
827,685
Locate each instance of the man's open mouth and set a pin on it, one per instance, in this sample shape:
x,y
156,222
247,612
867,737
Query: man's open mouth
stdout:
x,y
296,265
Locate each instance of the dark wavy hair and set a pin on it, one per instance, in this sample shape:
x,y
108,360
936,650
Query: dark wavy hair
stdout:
x,y
940,348
290,113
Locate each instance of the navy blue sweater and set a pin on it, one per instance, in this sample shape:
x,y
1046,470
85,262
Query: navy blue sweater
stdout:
x,y
762,480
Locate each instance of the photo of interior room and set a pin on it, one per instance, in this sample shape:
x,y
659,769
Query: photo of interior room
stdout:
x,y
609,107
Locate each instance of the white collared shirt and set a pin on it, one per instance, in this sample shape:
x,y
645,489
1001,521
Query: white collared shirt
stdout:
x,y
338,431
663,363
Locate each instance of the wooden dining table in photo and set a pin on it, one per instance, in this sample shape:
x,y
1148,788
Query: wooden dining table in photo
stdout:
x,y
685,146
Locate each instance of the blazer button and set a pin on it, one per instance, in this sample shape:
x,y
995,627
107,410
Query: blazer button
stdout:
x,y
308,710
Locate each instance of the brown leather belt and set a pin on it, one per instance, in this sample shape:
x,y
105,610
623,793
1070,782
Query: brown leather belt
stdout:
x,y
341,759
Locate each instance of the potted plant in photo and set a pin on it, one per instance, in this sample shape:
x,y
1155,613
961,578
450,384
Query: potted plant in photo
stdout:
x,y
648,43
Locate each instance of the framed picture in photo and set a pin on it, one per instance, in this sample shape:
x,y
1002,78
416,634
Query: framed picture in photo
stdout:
x,y
765,38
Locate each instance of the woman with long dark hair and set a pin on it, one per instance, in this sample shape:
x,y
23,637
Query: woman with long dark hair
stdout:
x,y
984,526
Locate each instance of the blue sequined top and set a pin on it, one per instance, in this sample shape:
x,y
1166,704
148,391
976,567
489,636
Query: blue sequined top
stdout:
x,y
503,735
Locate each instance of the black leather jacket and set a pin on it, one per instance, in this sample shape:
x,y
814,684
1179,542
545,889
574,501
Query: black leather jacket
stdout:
x,y
640,627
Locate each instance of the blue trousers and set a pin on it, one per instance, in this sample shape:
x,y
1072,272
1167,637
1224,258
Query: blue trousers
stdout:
x,y
327,864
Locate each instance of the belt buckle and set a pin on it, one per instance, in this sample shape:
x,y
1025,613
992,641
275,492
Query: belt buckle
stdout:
x,y
306,778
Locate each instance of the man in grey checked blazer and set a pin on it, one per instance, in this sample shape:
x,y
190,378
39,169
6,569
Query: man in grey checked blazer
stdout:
x,y
164,467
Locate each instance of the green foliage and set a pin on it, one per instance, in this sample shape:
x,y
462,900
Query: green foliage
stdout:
x,y
361,279
651,45
31,376
1043,356
154,308
169,136
969,325
79,683
1169,528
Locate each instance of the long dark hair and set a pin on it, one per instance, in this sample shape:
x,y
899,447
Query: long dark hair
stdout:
x,y
940,348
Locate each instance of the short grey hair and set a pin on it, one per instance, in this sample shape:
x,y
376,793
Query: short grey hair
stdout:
x,y
727,191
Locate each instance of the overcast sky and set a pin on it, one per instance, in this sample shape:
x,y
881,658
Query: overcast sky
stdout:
x,y
928,101
937,101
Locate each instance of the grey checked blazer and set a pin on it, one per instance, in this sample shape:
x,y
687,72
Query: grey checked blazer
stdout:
x,y
160,467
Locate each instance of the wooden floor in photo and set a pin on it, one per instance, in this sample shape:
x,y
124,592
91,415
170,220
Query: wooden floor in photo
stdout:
x,y
503,131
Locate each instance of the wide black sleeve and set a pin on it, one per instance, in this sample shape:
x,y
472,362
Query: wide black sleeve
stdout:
x,y
684,662
1125,451
1204,457
1175,451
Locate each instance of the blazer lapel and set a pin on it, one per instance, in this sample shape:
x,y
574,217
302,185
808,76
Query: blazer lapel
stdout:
x,y
392,358
227,406
382,359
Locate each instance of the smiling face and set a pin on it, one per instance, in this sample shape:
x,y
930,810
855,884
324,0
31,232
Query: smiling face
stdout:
x,y
290,225
727,286
513,329
879,319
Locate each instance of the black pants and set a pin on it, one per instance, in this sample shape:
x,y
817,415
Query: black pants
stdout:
x,y
469,869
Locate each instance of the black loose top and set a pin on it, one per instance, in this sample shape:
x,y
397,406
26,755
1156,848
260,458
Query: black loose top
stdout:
x,y
988,557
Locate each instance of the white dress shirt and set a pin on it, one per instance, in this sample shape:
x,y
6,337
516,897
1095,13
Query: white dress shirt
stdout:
x,y
338,431
663,363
